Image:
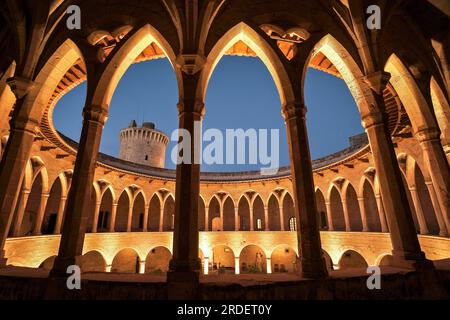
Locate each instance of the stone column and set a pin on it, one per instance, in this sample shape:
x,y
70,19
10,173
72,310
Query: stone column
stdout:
x,y
329,217
384,227
438,168
281,209
236,265
406,248
95,219
205,265
60,215
15,156
141,266
20,212
112,221
443,230
108,268
266,218
252,227
346,216
206,218
184,268
308,235
269,265
161,218
419,211
221,215
236,218
362,210
75,222
40,215
130,216
145,219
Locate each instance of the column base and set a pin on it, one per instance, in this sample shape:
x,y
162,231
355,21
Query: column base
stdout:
x,y
315,273
3,259
60,266
411,261
443,233
183,285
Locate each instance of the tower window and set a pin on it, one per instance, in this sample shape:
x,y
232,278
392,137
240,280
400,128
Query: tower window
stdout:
x,y
146,157
258,224
292,224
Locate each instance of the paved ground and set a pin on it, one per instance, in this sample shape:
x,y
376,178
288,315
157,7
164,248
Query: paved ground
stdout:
x,y
243,279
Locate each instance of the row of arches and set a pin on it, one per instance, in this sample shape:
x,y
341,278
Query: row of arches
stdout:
x,y
40,209
252,259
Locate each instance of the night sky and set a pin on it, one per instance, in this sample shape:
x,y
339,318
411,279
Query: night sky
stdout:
x,y
241,94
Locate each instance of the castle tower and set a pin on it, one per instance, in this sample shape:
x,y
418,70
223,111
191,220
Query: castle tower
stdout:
x,y
143,145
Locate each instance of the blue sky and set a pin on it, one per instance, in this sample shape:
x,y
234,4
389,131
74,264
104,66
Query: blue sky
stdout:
x,y
241,94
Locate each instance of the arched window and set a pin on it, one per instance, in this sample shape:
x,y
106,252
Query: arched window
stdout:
x,y
292,224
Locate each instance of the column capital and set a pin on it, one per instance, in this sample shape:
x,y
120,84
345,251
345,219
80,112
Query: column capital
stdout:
x,y
20,86
429,134
377,81
372,119
95,113
197,107
293,110
24,124
190,63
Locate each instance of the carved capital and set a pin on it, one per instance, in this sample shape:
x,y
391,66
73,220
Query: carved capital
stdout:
x,y
20,86
293,110
196,106
95,113
377,81
372,119
190,63
430,134
25,124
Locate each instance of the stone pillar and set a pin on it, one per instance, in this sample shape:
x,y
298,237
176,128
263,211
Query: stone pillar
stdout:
x,y
205,265
438,168
266,218
112,221
75,222
406,248
145,219
206,218
40,215
443,230
362,210
130,216
60,215
21,212
236,265
184,268
269,265
95,219
161,218
221,215
329,217
236,218
252,227
280,207
384,227
346,216
15,156
108,268
141,266
419,211
308,235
